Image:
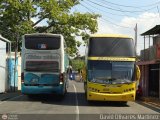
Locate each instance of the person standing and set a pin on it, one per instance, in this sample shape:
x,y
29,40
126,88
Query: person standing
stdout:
x,y
139,92
69,71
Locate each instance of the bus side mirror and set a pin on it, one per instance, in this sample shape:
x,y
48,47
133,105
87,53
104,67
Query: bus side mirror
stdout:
x,y
138,73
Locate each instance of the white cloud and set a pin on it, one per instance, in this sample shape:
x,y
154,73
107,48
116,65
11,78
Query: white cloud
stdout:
x,y
144,21
104,27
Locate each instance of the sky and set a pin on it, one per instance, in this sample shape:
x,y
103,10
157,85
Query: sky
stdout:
x,y
121,17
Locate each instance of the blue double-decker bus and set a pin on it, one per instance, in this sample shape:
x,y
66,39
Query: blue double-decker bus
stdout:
x,y
44,64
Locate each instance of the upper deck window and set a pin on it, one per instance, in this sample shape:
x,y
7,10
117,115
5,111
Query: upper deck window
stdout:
x,y
105,46
42,42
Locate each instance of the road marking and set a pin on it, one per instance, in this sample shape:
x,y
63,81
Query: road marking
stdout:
x,y
11,99
77,108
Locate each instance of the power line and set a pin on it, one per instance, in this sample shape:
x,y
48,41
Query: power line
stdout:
x,y
154,4
86,7
101,11
120,5
105,19
119,10
107,12
116,24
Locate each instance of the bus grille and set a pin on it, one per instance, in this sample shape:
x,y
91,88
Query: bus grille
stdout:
x,y
42,66
112,92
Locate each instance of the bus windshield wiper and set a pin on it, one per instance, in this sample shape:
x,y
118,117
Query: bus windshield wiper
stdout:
x,y
103,78
123,81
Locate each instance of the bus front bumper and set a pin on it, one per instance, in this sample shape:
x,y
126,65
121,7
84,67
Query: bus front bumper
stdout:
x,y
130,96
42,89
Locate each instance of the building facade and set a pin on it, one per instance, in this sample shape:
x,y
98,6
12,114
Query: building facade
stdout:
x,y
5,46
150,63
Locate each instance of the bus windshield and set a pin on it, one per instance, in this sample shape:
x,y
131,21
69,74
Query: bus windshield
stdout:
x,y
42,42
106,46
109,72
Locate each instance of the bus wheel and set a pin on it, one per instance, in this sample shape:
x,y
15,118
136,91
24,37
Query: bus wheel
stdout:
x,y
31,96
85,94
90,102
124,102
60,97
65,89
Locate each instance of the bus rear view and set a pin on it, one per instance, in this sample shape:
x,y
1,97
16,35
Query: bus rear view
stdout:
x,y
43,64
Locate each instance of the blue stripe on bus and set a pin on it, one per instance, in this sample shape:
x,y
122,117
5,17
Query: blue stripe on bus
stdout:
x,y
42,89
31,78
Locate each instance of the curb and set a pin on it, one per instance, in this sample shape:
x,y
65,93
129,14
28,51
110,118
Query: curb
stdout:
x,y
6,96
149,105
153,102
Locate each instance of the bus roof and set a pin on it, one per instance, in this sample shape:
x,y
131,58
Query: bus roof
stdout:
x,y
111,35
34,34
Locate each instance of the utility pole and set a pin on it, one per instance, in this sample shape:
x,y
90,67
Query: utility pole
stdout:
x,y
135,29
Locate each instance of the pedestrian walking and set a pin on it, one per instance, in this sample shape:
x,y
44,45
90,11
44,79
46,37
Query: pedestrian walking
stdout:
x,y
69,71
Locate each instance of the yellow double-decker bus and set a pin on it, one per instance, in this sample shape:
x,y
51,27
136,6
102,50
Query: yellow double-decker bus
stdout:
x,y
111,72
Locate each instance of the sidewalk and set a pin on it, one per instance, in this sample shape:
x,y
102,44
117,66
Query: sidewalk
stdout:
x,y
153,103
8,95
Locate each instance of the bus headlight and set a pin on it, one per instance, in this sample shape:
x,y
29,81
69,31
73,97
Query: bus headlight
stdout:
x,y
93,89
129,90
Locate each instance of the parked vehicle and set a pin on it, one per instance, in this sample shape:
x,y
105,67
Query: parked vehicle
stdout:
x,y
111,72
44,64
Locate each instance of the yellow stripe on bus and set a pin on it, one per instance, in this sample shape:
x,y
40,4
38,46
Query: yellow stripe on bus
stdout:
x,y
112,58
110,36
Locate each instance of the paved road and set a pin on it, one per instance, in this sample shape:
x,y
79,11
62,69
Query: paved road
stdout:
x,y
74,104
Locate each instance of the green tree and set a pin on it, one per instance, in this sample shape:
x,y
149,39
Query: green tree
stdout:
x,y
16,19
78,64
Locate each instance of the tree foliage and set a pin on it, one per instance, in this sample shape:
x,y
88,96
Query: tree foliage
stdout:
x,y
78,64
18,17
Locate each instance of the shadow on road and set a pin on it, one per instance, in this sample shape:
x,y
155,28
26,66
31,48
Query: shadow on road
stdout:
x,y
69,100
148,106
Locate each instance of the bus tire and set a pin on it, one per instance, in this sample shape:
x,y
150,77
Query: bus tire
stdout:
x,y
65,89
31,96
89,102
85,95
60,97
124,102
